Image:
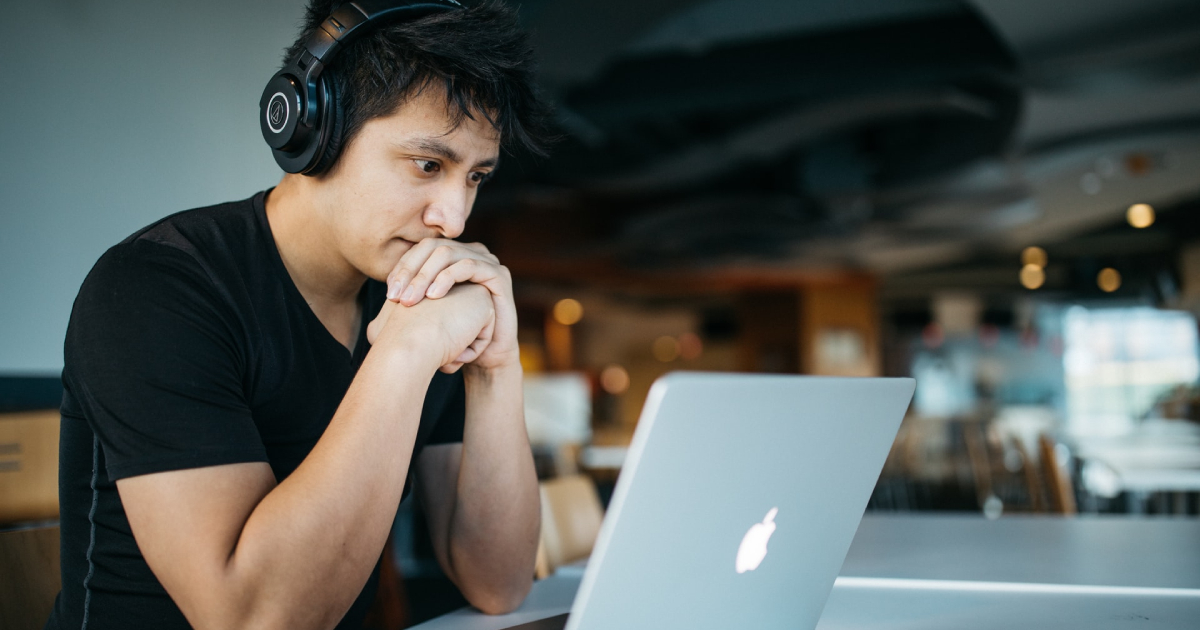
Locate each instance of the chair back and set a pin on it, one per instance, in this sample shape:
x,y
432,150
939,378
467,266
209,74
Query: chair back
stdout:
x,y
29,466
571,517
30,578
1058,479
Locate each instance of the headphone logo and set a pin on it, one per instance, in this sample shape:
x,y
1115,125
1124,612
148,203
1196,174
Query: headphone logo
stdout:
x,y
277,112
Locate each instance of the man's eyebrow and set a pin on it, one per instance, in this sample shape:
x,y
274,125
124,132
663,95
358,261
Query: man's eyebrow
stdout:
x,y
437,148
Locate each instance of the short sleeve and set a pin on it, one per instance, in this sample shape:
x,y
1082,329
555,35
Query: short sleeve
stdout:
x,y
153,358
451,421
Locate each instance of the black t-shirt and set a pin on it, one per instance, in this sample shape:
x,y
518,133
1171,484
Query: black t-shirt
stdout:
x,y
190,346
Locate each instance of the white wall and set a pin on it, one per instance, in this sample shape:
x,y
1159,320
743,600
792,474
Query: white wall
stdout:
x,y
113,114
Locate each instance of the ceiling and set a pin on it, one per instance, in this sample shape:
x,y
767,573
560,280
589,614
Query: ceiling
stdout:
x,y
893,137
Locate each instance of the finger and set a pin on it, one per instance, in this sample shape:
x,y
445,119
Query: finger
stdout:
x,y
494,277
408,265
483,251
472,352
451,368
442,257
481,343
489,331
466,356
466,270
477,347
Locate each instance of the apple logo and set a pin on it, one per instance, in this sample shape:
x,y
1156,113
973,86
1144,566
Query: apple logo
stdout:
x,y
754,546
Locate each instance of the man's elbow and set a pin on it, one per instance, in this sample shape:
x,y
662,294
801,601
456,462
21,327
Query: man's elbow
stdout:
x,y
499,599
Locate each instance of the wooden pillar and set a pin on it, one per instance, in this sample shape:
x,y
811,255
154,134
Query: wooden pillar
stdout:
x,y
560,354
839,330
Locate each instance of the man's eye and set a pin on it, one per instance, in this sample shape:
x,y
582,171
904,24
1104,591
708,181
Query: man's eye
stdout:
x,y
428,166
479,177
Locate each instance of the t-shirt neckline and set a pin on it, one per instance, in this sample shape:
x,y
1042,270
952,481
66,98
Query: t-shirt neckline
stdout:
x,y
281,272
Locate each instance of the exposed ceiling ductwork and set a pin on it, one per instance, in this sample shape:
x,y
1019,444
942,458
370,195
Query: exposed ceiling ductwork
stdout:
x,y
884,135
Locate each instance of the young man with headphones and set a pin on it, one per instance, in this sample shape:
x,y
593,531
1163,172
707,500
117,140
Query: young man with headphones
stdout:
x,y
251,388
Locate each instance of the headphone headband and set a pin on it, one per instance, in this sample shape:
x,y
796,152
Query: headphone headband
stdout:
x,y
296,107
352,18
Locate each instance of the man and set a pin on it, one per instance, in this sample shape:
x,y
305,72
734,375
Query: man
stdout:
x,y
232,455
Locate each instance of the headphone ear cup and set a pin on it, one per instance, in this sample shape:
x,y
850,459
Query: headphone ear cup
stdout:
x,y
331,129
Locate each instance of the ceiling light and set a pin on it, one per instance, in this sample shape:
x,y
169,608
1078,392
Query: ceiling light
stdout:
x,y
1108,280
1033,256
1140,215
1032,277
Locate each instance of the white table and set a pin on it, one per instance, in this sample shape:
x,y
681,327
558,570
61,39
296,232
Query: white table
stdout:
x,y
954,572
603,456
1087,550
1160,456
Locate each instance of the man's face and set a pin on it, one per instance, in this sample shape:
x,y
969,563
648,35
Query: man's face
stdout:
x,y
403,178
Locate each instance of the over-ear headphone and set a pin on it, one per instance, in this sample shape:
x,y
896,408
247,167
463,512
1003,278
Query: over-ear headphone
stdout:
x,y
299,112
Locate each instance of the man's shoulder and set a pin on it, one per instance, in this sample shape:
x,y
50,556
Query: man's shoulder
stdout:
x,y
211,246
214,229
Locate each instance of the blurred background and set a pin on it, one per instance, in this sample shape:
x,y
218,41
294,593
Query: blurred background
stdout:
x,y
996,197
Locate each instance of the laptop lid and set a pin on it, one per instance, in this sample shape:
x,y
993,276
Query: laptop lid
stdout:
x,y
738,501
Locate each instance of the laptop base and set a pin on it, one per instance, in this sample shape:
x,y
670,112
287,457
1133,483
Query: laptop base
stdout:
x,y
557,622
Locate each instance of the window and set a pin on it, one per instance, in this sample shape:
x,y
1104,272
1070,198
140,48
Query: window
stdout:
x,y
1117,361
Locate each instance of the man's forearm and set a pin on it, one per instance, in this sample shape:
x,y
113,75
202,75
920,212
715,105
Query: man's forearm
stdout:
x,y
494,530
312,542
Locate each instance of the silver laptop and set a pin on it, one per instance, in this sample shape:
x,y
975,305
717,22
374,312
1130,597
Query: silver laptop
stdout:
x,y
737,502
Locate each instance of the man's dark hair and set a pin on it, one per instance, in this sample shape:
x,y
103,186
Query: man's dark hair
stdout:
x,y
479,56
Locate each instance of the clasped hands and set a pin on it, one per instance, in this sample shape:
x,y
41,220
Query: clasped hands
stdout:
x,y
469,300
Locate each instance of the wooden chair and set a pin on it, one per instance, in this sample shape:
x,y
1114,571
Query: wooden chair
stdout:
x,y
571,516
1058,479
981,463
29,466
1004,470
30,577
1033,481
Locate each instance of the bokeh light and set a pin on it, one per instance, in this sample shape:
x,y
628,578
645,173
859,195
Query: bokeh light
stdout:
x,y
614,379
1109,280
1140,215
1034,256
1032,277
568,312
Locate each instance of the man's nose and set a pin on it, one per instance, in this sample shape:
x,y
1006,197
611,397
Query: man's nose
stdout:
x,y
448,212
